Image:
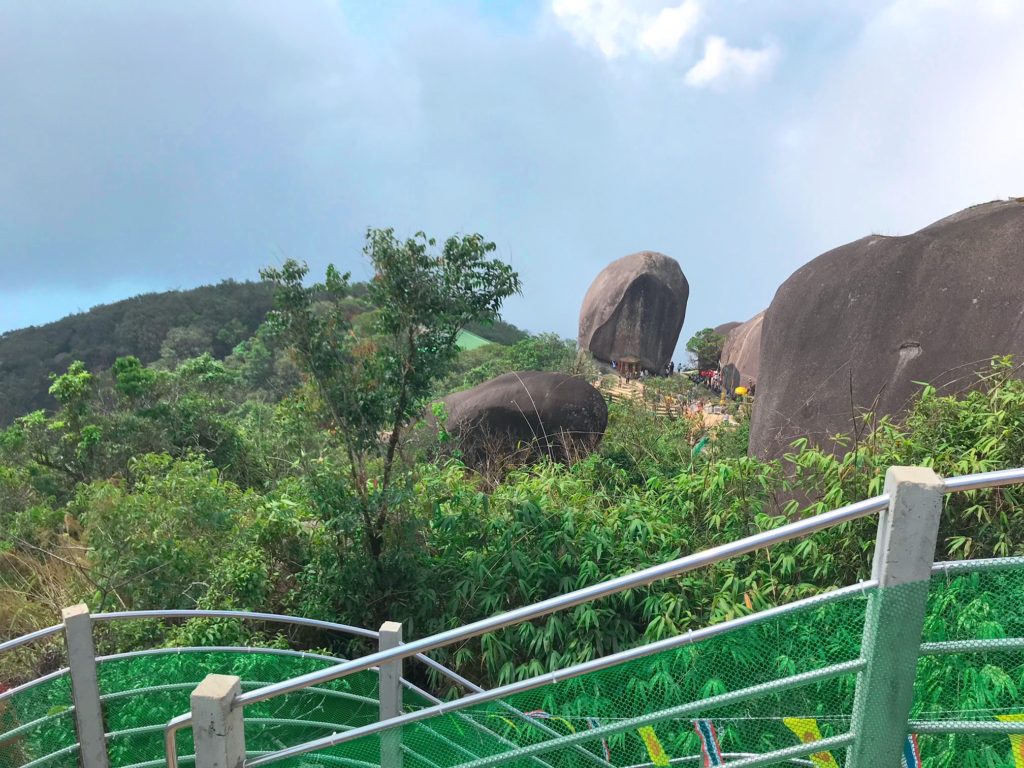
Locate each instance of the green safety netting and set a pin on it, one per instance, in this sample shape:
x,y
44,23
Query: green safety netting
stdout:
x,y
645,712
142,693
648,711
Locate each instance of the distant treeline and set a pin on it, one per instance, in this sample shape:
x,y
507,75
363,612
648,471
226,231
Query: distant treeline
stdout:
x,y
169,326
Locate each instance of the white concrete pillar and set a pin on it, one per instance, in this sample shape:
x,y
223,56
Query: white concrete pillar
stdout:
x,y
904,553
217,727
390,695
85,686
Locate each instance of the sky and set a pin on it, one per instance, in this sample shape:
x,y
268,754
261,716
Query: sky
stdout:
x,y
172,143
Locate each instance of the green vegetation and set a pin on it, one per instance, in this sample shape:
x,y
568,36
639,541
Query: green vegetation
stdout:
x,y
467,340
164,329
174,326
706,347
294,476
374,385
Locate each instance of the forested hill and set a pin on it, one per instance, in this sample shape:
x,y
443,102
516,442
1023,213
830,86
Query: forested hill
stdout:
x,y
171,325
168,327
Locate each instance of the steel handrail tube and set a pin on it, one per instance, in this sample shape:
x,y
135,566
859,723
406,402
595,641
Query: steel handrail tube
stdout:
x,y
449,673
791,681
619,658
189,613
215,649
37,635
193,613
586,594
613,586
781,755
974,566
331,626
251,649
966,726
979,645
975,482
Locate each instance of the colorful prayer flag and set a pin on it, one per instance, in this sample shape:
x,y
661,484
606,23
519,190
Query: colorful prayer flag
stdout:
x,y
806,729
1016,740
540,714
911,752
709,748
593,722
654,748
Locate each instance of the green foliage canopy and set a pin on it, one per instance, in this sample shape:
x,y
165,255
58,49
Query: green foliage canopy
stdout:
x,y
706,347
369,386
207,319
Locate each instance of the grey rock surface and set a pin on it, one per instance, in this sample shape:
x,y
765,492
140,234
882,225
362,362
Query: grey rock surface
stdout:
x,y
856,327
741,355
634,310
525,415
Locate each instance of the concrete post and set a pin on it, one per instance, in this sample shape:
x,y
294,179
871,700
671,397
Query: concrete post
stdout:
x,y
217,728
904,552
390,695
85,688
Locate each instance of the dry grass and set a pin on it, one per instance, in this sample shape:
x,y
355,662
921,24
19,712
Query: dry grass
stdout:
x,y
35,585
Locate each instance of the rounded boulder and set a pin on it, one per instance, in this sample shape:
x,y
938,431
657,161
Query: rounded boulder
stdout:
x,y
725,329
857,328
634,310
741,354
525,415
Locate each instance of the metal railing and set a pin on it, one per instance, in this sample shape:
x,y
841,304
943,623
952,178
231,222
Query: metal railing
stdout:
x,y
887,503
273,618
90,711
788,532
605,662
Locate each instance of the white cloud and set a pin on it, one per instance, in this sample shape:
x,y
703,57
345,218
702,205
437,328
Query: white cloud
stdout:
x,y
921,117
310,127
722,64
663,35
618,27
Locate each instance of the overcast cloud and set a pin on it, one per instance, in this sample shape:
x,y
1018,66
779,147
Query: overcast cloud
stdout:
x,y
146,146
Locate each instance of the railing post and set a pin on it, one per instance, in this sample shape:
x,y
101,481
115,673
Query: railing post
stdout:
x,y
217,728
904,552
85,688
390,695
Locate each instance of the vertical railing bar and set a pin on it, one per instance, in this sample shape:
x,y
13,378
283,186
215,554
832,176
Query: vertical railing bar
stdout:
x,y
389,695
894,619
85,689
219,731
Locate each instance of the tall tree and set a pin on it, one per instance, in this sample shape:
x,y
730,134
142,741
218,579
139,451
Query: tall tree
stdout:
x,y
706,347
372,386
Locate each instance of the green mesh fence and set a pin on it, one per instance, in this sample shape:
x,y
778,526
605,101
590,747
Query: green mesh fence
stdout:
x,y
642,712
970,609
142,693
770,685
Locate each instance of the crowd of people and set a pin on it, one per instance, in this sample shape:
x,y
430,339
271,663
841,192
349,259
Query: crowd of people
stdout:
x,y
630,371
712,379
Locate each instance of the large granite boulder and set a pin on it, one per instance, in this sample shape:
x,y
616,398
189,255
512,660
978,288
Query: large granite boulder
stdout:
x,y
741,355
634,310
856,328
525,415
724,329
